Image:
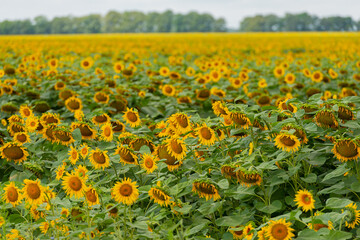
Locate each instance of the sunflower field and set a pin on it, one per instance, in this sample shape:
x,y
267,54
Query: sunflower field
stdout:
x,y
180,136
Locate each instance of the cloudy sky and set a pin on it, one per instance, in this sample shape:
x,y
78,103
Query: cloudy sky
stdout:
x,y
232,10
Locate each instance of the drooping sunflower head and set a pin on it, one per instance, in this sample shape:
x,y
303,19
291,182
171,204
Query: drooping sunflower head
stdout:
x,y
117,126
92,197
287,142
13,151
206,190
353,215
248,178
136,143
220,109
15,127
162,153
63,136
237,232
345,113
346,149
310,110
99,159
73,104
87,132
228,171
50,118
176,147
159,196
285,106
240,119
112,209
101,119
305,200
203,94
132,117
125,192
279,230
299,132
326,118
126,155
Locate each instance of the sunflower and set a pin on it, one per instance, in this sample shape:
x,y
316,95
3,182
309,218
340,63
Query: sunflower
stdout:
x,y
63,136
117,126
31,123
50,118
317,226
279,71
15,127
125,192
326,118
236,82
238,234
92,198
205,190
353,216
287,142
248,178
99,159
181,122
240,119
101,97
73,104
317,76
164,71
248,231
82,170
290,78
171,162
21,138
13,151
168,90
148,163
74,155
132,117
60,170
176,148
107,132
262,233
113,210
87,63
33,192
346,150
299,132
25,111
202,94
12,194
159,196
279,230
305,200
87,132
261,84
206,135
126,155
74,185
66,94
59,85
184,100
84,150
284,106
44,227
228,171
220,109
345,113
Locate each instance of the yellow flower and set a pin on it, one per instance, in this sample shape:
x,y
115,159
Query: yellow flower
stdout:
x,y
279,230
305,200
74,185
132,118
125,192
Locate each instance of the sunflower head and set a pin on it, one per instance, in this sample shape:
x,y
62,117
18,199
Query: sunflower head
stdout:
x,y
33,192
148,163
125,192
279,229
132,117
326,118
206,190
346,149
248,178
352,218
287,142
126,155
12,194
13,151
99,159
74,184
305,200
159,196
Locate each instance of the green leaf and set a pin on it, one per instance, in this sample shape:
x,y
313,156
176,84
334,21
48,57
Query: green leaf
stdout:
x,y
185,209
77,134
311,178
309,234
223,184
339,235
336,173
337,203
144,150
231,221
195,229
273,207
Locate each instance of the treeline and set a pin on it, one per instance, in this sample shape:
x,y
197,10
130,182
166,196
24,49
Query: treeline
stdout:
x,y
117,22
297,22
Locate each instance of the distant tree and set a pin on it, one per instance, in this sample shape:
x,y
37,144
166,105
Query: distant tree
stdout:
x,y
88,24
42,25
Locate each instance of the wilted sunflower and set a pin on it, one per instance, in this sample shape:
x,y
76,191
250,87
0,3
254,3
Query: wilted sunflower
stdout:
x,y
206,135
346,150
287,142
12,194
126,155
220,109
181,122
101,97
353,217
125,192
284,106
205,190
33,192
171,162
113,210
279,230
228,171
305,200
117,126
107,132
92,198
48,133
74,155
73,104
99,159
87,133
148,163
176,147
13,151
248,178
21,138
240,119
25,111
345,113
136,143
132,118
159,196
326,118
74,185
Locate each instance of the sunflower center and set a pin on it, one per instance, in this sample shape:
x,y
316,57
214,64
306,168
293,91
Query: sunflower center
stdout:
x,y
33,191
21,138
13,152
26,112
74,155
91,196
99,157
126,190
205,133
12,194
306,199
75,183
182,121
347,149
279,231
85,131
132,117
168,89
149,163
107,132
74,104
286,140
176,147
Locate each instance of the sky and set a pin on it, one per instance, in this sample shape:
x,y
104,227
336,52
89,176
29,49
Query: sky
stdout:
x,y
232,10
